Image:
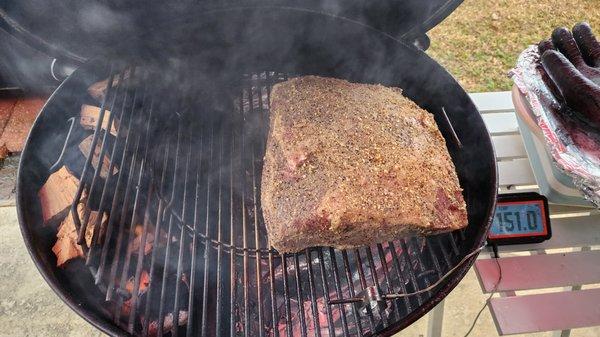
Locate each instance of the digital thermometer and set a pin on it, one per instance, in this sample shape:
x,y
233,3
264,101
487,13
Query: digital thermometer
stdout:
x,y
520,218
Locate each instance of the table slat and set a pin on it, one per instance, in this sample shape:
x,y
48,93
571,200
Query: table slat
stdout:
x,y
546,312
501,123
581,231
540,271
487,102
509,146
515,172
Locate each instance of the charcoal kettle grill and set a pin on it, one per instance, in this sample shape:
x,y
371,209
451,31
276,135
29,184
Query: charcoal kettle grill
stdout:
x,y
180,247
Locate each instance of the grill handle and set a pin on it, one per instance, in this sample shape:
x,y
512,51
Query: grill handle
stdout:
x,y
59,161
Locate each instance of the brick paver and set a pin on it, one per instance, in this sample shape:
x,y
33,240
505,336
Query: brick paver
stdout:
x,y
21,117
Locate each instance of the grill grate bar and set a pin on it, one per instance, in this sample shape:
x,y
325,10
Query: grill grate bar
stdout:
x,y
330,322
255,202
363,286
409,268
313,297
351,289
194,254
207,228
88,163
128,252
375,279
299,295
246,277
402,283
232,257
338,292
269,84
423,272
153,256
149,188
123,216
182,244
161,308
286,295
387,279
457,141
219,289
104,197
273,301
138,268
116,200
435,261
122,226
166,265
452,238
439,242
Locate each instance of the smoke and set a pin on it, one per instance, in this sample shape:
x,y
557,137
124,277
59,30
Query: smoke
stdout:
x,y
23,67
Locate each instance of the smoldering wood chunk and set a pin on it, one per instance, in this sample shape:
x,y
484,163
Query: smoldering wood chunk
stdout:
x,y
134,246
85,147
150,241
56,196
168,323
99,89
66,247
89,115
144,283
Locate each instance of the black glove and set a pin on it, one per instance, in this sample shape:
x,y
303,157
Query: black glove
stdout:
x,y
574,70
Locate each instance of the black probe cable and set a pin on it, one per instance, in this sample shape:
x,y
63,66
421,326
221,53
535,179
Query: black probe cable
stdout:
x,y
496,257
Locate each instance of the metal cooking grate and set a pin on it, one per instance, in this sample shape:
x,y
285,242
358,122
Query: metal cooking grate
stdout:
x,y
184,209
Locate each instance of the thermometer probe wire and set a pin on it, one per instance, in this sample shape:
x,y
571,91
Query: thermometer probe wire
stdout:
x,y
496,257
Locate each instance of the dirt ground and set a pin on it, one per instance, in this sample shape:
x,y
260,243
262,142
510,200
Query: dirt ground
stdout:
x,y
28,307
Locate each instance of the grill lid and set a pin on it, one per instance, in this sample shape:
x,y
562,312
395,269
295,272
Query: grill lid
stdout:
x,y
77,30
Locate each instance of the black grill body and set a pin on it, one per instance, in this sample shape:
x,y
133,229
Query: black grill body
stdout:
x,y
192,124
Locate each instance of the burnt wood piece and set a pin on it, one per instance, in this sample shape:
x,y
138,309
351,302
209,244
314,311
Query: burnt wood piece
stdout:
x,y
56,195
66,247
98,90
143,285
85,147
89,116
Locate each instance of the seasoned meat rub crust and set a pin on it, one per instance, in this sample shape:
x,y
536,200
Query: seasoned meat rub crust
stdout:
x,y
349,165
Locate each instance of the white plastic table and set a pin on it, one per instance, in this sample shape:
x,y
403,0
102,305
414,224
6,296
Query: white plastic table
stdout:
x,y
566,260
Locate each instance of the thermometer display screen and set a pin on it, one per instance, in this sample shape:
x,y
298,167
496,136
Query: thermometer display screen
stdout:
x,y
520,219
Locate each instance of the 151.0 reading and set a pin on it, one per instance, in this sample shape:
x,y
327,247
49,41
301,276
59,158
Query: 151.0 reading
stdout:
x,y
509,221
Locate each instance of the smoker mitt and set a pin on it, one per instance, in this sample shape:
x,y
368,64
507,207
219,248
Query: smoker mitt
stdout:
x,y
571,62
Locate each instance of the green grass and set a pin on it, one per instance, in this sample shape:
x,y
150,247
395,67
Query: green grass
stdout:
x,y
480,41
